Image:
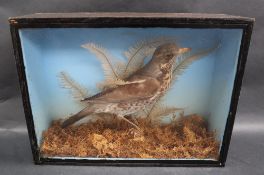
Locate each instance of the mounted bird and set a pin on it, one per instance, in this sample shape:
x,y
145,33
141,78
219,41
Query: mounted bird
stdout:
x,y
139,91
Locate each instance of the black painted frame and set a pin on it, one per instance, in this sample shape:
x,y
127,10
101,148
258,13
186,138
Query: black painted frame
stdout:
x,y
100,20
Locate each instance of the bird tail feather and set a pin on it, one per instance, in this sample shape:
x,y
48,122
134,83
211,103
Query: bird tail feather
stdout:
x,y
76,117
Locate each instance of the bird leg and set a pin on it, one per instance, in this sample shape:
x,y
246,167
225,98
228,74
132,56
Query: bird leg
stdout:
x,y
133,124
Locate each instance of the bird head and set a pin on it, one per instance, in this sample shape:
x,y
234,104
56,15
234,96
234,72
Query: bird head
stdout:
x,y
165,55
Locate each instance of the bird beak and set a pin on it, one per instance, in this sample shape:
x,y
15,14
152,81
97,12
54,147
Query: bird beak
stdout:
x,y
184,50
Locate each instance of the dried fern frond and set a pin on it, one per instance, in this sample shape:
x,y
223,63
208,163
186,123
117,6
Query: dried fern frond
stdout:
x,y
183,63
160,111
120,67
77,91
140,51
106,60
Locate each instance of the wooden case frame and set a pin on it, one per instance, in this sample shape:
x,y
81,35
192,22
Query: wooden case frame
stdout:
x,y
134,20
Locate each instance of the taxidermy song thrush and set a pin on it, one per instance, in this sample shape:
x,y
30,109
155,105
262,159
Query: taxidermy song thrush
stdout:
x,y
140,90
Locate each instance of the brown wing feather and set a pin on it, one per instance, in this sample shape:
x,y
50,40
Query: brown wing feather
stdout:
x,y
127,92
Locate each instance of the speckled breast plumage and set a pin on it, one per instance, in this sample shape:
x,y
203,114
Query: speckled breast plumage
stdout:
x,y
131,107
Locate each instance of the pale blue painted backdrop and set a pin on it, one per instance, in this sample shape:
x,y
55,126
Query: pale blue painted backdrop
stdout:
x,y
204,88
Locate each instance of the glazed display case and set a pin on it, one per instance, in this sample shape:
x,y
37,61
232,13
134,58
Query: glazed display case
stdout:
x,y
130,89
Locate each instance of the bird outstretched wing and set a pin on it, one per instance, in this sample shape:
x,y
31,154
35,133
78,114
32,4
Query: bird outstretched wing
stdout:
x,y
137,89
